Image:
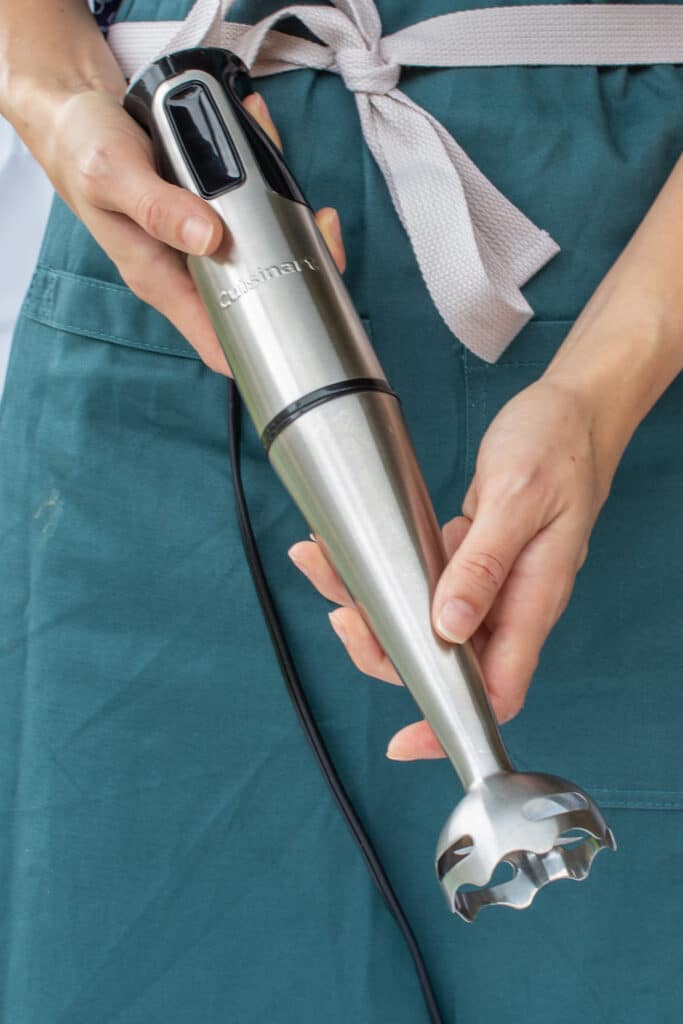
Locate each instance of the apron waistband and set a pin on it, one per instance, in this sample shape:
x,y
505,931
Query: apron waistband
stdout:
x,y
474,248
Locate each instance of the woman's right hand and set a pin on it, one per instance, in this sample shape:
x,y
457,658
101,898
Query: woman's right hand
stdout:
x,y
100,162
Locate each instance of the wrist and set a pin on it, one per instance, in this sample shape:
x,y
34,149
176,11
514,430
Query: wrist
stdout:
x,y
31,101
621,354
50,108
39,71
626,347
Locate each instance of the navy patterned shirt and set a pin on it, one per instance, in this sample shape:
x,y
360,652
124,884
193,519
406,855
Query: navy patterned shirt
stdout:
x,y
105,12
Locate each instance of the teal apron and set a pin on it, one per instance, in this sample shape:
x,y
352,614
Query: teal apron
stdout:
x,y
170,853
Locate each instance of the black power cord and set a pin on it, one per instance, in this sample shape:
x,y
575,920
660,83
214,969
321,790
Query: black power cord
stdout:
x,y
304,714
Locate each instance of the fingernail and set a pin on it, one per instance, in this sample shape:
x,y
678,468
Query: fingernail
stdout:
x,y
196,234
263,107
396,750
334,225
300,566
266,119
456,620
508,716
338,628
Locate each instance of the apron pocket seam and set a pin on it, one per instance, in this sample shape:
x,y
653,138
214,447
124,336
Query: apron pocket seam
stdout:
x,y
88,306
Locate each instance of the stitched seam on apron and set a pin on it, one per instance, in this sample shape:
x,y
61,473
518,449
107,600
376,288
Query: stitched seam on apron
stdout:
x,y
41,298
40,301
468,431
124,342
499,365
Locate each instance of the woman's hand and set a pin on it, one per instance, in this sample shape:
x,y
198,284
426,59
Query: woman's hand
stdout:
x,y
513,553
63,90
100,162
543,472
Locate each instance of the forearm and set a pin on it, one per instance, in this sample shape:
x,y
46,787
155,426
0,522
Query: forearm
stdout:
x,y
626,347
48,52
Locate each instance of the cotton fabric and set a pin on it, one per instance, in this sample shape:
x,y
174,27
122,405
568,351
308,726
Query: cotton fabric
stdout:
x,y
170,852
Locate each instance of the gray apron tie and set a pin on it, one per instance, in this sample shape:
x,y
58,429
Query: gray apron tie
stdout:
x,y
474,248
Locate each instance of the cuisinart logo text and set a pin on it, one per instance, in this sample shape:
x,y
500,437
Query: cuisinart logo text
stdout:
x,y
244,285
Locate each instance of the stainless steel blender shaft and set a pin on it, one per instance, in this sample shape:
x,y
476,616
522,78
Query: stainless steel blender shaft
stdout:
x,y
351,468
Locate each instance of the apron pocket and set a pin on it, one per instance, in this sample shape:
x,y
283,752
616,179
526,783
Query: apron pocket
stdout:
x,y
100,309
605,706
105,311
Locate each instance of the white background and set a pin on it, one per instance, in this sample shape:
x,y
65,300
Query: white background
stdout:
x,y
25,195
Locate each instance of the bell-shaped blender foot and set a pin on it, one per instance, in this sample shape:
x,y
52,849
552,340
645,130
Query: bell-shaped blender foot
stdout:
x,y
512,834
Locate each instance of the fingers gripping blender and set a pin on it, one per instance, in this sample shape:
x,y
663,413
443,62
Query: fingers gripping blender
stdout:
x,y
334,432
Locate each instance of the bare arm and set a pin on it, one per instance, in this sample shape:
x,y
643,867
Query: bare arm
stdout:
x,y
627,345
49,52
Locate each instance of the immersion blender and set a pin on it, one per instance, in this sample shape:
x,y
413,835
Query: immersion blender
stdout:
x,y
334,432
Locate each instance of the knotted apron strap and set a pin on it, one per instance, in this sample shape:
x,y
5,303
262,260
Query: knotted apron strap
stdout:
x,y
474,248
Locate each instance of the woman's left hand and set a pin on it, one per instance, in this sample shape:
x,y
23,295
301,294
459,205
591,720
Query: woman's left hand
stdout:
x,y
514,553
